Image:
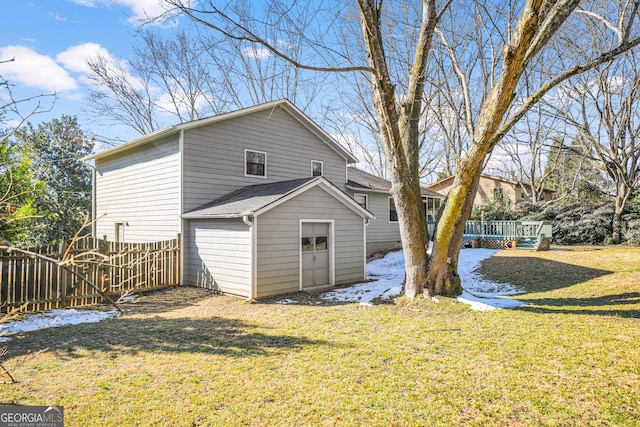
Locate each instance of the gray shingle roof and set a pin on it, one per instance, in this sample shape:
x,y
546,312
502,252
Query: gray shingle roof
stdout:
x,y
247,199
358,179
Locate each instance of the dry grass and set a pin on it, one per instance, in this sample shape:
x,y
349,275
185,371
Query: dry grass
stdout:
x,y
186,357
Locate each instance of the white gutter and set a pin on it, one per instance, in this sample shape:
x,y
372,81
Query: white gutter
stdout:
x,y
254,249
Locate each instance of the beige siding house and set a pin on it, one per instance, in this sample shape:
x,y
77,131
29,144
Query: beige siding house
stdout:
x,y
513,191
258,196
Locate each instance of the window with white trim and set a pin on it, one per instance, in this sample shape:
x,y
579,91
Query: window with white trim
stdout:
x,y
255,163
316,168
393,213
119,232
431,206
361,199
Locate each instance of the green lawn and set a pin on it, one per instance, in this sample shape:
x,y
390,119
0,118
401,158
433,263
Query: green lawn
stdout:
x,y
186,357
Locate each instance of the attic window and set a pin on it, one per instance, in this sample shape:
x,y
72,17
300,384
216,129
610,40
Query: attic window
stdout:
x,y
255,163
316,168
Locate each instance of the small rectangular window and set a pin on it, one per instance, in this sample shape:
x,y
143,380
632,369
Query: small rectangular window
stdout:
x,y
316,168
255,163
321,243
361,199
307,244
393,213
119,232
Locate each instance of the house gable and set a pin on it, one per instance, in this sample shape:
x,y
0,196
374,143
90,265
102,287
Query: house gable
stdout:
x,y
255,200
214,155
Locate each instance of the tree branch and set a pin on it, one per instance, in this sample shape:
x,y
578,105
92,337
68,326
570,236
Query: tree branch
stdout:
x,y
251,37
574,71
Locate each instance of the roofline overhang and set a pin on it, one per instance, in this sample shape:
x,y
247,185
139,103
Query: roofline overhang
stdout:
x,y
371,190
219,216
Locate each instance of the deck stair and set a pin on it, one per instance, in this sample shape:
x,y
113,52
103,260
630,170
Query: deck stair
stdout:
x,y
530,243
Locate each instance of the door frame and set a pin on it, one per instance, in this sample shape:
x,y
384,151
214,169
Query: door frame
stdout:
x,y
331,247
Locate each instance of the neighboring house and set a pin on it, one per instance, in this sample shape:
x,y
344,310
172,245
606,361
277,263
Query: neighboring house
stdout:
x,y
258,197
490,187
372,193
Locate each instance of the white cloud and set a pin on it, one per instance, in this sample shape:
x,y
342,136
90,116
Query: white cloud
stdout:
x,y
34,70
141,10
256,52
75,58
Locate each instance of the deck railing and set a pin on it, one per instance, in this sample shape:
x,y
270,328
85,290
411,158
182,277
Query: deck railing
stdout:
x,y
503,230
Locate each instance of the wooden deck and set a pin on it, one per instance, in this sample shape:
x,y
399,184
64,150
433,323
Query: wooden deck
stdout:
x,y
533,235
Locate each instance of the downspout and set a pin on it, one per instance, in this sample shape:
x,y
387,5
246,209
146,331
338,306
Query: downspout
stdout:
x,y
252,268
364,230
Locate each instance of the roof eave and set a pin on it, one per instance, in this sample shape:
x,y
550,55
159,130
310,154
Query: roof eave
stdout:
x,y
217,216
134,143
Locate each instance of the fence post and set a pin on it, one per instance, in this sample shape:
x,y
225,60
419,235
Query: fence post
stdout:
x,y
62,276
103,248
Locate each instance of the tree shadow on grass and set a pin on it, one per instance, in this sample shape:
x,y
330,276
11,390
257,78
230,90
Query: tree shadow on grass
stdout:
x,y
614,305
164,300
214,335
537,275
532,274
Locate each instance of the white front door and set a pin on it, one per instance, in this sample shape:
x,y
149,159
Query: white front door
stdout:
x,y
315,254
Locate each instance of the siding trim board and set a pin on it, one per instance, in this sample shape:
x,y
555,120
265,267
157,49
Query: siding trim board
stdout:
x,y
182,225
253,274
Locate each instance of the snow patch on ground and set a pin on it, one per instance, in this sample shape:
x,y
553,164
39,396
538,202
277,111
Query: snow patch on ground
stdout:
x,y
386,275
481,294
53,319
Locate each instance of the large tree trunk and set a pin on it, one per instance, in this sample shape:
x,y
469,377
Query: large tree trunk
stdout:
x,y
413,234
442,276
398,124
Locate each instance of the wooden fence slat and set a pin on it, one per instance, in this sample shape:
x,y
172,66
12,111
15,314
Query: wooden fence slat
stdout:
x,y
43,285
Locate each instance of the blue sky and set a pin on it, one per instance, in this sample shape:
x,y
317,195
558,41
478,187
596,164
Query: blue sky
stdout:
x,y
51,41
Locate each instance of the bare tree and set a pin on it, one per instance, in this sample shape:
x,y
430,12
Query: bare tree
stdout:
x,y
114,93
16,187
191,76
12,106
529,150
606,115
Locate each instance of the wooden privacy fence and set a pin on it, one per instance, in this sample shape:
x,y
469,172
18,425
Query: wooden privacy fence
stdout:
x,y
33,284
